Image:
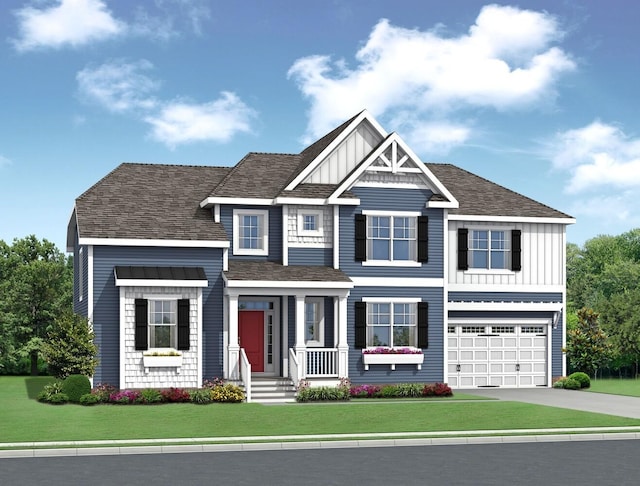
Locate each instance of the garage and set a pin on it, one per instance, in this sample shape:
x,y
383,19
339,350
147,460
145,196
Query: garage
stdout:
x,y
505,354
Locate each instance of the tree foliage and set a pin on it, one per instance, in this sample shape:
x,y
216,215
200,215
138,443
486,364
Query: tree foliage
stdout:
x,y
69,348
588,347
36,282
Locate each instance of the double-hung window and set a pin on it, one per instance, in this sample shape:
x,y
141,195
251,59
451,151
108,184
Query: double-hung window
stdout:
x,y
489,249
314,321
391,238
163,323
392,324
250,232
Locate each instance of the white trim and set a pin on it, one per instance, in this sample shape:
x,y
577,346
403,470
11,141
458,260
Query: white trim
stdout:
x,y
504,288
391,263
347,201
90,283
440,204
399,300
364,115
523,321
225,259
510,219
286,284
397,282
300,200
319,216
264,213
80,267
216,213
285,235
387,185
564,311
123,322
336,237
200,341
446,288
123,282
308,245
400,214
210,201
143,242
505,306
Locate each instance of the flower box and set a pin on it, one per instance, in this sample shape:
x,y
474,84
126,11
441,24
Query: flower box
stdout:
x,y
161,361
392,358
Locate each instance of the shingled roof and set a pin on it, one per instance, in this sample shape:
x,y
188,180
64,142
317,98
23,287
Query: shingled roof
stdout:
x,y
151,201
272,271
480,197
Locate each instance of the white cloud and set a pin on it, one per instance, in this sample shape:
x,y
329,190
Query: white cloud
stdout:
x,y
65,23
505,61
608,210
119,86
4,161
597,155
218,121
437,137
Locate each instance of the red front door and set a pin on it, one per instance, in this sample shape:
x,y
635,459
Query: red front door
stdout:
x,y
251,332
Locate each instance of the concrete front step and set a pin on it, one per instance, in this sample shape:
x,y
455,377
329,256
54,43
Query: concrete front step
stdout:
x,y
272,390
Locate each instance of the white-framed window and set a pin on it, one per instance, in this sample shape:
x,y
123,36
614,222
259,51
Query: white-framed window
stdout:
x,y
310,222
392,238
250,232
314,321
392,324
489,249
163,323
80,274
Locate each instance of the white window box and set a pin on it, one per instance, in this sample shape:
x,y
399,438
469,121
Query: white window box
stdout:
x,y
150,361
392,359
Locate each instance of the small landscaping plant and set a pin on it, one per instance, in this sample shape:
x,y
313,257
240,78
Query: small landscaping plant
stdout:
x,y
150,395
582,378
201,396
567,383
125,397
346,391
89,399
103,392
227,393
74,386
52,393
175,395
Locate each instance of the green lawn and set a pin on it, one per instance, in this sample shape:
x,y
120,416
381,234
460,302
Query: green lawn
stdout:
x,y
23,419
615,386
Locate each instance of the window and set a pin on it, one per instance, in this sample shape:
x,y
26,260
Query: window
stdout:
x,y
310,223
314,322
162,323
391,324
250,235
488,249
398,238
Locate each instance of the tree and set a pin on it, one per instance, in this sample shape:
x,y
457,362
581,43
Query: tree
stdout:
x,y
69,348
621,320
36,282
588,348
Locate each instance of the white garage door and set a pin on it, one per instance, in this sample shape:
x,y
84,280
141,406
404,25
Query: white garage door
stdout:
x,y
505,355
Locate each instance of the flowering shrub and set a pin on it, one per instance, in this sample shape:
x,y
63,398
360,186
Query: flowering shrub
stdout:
x,y
125,397
103,392
175,395
227,393
437,390
213,383
401,390
364,391
382,350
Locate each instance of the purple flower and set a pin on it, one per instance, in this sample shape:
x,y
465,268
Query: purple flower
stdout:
x,y
383,350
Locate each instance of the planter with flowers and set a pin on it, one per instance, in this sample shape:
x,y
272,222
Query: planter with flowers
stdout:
x,y
392,356
161,359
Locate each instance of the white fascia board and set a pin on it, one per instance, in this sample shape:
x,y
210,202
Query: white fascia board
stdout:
x,y
168,243
506,288
364,115
399,300
442,204
72,216
253,201
301,292
505,306
301,200
291,286
510,219
397,282
124,282
347,201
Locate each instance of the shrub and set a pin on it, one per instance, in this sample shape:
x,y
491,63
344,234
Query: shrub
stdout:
x,y
389,391
228,393
125,397
213,383
559,383
74,386
365,391
322,393
103,392
175,395
568,384
582,378
89,399
437,390
52,393
201,396
150,395
411,390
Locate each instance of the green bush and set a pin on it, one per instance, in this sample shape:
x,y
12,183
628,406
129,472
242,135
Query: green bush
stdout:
x,y
52,393
582,378
411,390
567,383
322,393
150,395
89,399
74,386
201,396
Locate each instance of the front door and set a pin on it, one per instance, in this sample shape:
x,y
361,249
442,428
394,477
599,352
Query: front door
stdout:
x,y
251,333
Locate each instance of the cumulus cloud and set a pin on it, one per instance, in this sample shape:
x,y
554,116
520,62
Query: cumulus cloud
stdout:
x,y
506,60
4,161
71,23
125,88
597,155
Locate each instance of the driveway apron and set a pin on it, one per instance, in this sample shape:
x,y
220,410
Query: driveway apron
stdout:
x,y
575,400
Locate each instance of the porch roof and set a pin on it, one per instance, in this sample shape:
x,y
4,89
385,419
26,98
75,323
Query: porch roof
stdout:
x,y
265,271
128,276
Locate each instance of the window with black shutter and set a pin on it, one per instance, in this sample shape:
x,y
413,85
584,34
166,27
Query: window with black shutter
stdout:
x,y
423,325
423,239
360,237
516,250
183,324
463,249
361,325
141,321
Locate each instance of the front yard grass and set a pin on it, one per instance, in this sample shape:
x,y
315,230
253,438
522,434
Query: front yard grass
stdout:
x,y
23,419
616,386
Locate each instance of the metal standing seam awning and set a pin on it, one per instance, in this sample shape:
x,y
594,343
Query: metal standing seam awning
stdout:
x,y
153,276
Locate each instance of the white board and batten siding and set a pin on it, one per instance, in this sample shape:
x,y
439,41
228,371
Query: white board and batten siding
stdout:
x,y
543,256
346,156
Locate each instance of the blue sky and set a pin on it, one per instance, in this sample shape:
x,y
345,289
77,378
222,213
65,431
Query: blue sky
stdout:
x,y
538,96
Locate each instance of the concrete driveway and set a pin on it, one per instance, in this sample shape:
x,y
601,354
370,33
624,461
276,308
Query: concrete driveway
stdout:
x,y
575,400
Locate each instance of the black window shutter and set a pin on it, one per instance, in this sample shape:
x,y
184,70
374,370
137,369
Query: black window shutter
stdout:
x,y
423,239
142,321
361,237
516,250
463,249
423,324
361,325
183,324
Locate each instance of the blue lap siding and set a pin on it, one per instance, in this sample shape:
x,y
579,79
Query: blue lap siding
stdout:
x,y
106,300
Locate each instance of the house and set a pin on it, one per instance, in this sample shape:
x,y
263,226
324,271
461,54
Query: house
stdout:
x,y
350,259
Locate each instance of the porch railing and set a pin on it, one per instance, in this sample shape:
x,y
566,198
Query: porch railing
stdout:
x,y
322,362
294,372
245,374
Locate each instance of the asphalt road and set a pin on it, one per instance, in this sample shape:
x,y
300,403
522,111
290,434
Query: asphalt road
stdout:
x,y
561,463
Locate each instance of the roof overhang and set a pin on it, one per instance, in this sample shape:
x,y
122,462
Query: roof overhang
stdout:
x,y
510,219
150,242
127,276
505,306
255,201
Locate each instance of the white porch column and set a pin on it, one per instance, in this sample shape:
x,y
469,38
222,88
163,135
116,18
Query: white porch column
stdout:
x,y
300,347
341,338
233,348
